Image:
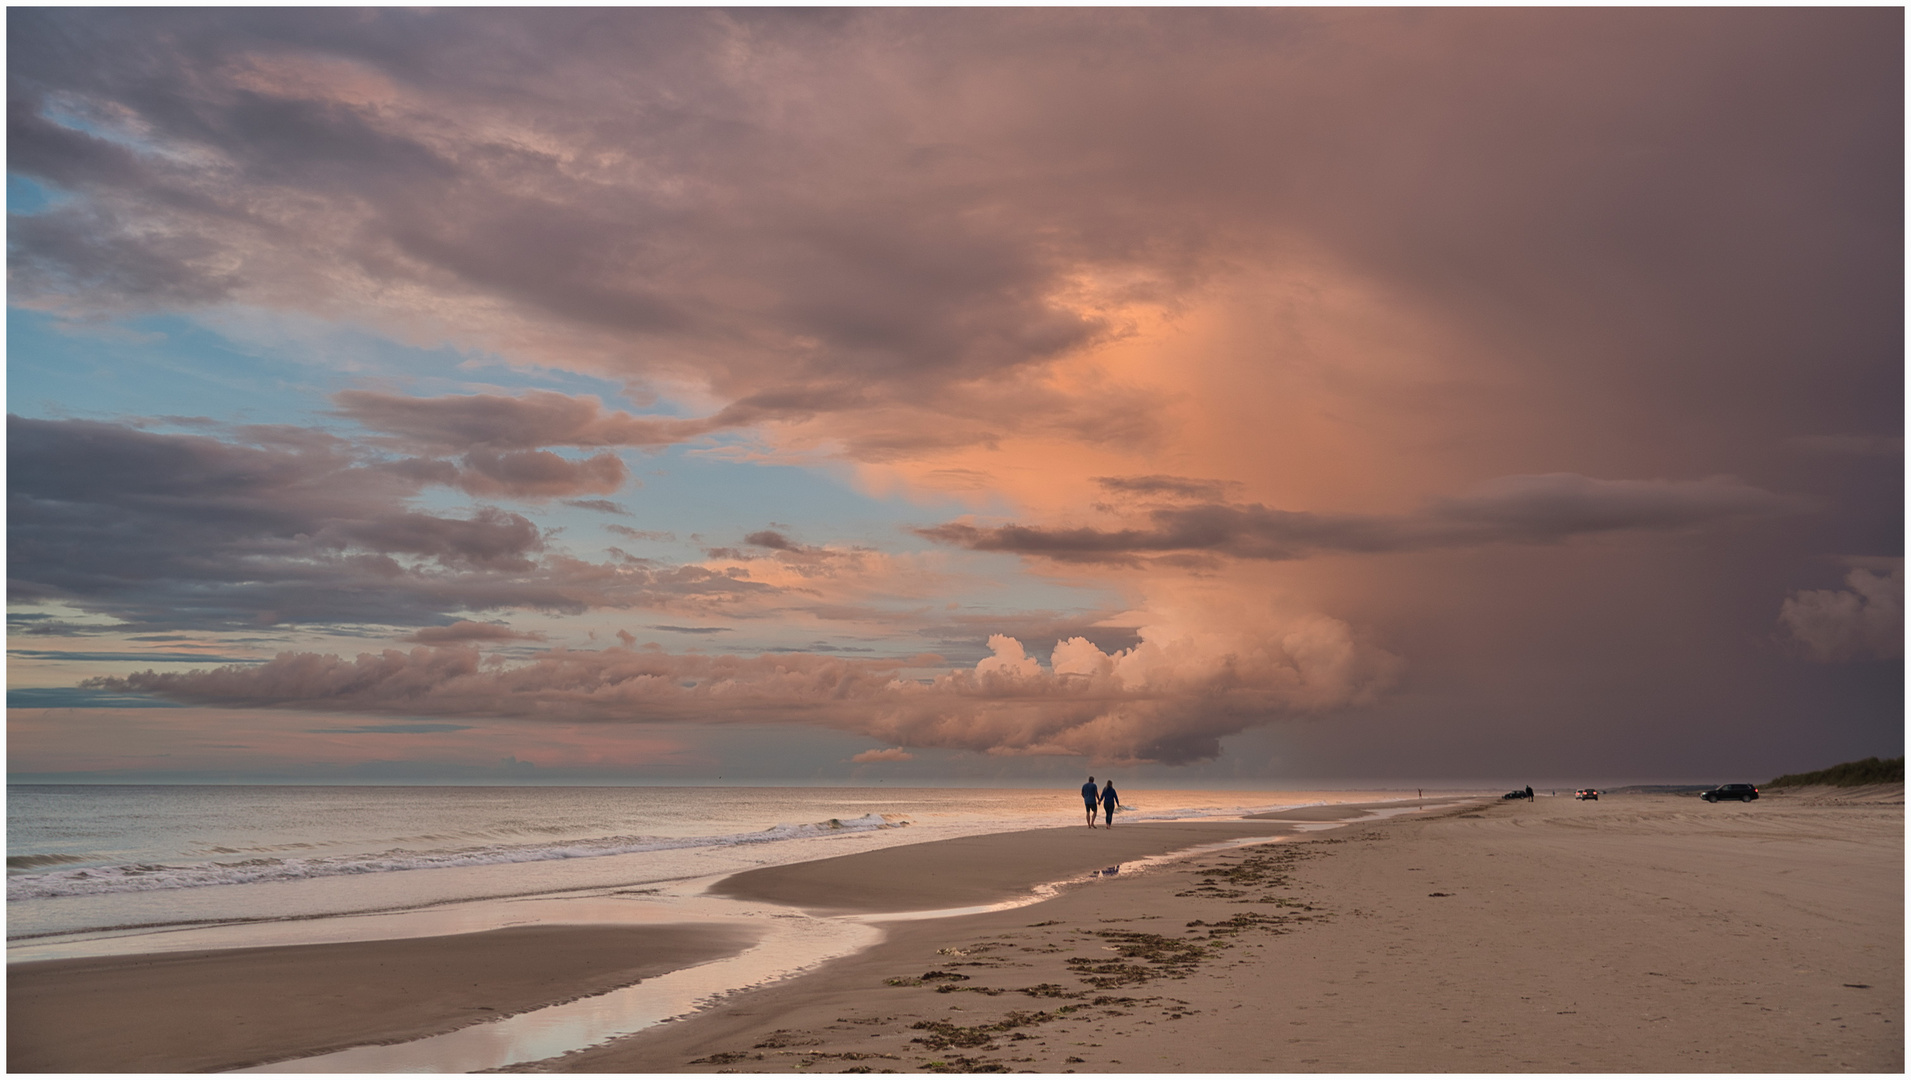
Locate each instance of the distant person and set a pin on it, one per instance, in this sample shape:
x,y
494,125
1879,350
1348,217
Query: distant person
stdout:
x,y
1529,791
1109,800
1093,800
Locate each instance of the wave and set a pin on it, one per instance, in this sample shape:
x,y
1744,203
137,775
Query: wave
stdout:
x,y
143,877
28,862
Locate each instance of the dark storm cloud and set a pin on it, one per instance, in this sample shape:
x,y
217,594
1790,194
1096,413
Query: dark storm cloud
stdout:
x,y
296,131
1620,243
922,207
1514,509
191,530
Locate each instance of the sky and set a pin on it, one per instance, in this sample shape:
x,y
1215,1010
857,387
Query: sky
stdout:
x,y
1222,397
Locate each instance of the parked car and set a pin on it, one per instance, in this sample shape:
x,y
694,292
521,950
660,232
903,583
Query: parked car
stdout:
x,y
1522,793
1741,792
1587,793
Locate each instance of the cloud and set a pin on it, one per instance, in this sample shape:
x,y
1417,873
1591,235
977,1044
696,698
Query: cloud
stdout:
x,y
1556,506
1516,509
390,729
1865,620
642,534
1270,283
891,754
1175,487
1172,697
942,213
497,423
294,527
70,697
465,630
126,657
772,556
538,474
501,440
773,540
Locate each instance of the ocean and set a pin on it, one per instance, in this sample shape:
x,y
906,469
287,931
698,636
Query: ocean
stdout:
x,y
101,870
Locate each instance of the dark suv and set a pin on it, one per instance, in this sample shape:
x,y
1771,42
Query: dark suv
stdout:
x,y
1741,792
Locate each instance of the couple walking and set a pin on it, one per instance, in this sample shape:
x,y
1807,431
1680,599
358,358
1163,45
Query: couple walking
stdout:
x,y
1106,797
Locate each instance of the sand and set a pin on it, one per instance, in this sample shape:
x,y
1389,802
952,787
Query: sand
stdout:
x,y
229,1008
1632,934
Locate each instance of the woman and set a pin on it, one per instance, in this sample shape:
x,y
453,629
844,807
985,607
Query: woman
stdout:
x,y
1109,800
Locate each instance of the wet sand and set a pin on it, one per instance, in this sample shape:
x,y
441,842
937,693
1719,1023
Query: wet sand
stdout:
x,y
974,870
1644,933
229,1008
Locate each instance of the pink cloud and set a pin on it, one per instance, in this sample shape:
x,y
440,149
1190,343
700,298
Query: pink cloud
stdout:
x,y
893,753
1168,698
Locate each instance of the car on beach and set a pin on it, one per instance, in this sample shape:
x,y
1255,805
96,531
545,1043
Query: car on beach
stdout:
x,y
1523,793
1741,792
1587,793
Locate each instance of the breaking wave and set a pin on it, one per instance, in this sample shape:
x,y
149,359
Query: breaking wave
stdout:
x,y
143,877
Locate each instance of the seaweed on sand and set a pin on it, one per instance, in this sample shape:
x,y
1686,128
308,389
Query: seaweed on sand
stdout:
x,y
1162,957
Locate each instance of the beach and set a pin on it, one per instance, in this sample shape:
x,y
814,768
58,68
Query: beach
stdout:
x,y
1635,933
1632,934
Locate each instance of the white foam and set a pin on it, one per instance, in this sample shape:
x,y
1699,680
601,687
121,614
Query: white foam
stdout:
x,y
146,877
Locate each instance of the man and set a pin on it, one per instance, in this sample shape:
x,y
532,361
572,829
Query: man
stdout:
x,y
1092,798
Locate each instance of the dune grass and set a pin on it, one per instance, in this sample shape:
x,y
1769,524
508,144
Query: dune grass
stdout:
x,y
1851,774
